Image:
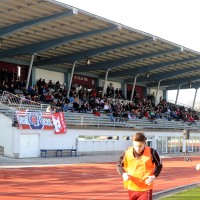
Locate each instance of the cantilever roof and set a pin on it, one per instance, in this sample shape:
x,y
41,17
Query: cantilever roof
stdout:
x,y
60,35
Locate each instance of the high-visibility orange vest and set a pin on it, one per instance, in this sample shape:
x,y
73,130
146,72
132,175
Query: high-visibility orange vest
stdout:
x,y
139,169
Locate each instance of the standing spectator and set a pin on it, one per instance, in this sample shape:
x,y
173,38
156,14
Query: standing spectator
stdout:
x,y
39,83
50,84
58,85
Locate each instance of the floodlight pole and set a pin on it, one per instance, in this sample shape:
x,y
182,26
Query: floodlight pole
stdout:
x,y
104,85
29,71
70,82
133,89
194,98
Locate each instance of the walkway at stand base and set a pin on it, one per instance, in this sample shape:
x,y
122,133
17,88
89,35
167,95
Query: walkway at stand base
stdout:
x,y
87,181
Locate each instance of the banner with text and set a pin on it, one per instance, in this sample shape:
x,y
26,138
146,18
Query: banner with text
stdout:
x,y
59,123
39,120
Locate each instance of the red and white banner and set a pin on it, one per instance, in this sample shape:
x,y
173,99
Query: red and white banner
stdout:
x,y
39,120
59,122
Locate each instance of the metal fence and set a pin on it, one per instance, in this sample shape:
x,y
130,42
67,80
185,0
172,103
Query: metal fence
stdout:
x,y
88,120
19,103
11,103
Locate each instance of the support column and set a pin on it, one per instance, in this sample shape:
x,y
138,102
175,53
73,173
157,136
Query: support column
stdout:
x,y
66,79
194,98
33,76
133,89
29,71
158,87
104,86
70,82
177,94
124,89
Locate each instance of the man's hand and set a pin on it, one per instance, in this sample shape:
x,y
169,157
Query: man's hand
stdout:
x,y
126,176
198,167
150,179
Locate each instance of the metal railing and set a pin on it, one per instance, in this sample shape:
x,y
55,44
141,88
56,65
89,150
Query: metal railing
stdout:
x,y
10,112
88,120
19,103
184,105
11,103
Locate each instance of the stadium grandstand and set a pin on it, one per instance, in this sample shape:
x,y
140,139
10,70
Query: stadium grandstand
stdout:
x,y
108,80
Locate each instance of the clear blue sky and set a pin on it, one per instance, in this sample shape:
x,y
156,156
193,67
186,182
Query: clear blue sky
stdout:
x,y
173,20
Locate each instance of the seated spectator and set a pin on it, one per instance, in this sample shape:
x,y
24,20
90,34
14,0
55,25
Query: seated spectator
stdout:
x,y
96,112
48,108
49,97
84,107
107,107
76,104
146,114
65,107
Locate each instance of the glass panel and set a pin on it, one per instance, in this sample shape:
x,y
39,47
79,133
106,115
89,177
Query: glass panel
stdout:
x,y
96,137
115,137
164,144
126,138
194,144
149,143
81,137
190,145
168,144
88,137
103,137
159,144
172,149
197,143
178,144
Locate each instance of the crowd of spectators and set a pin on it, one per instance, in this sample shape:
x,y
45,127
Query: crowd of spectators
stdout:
x,y
10,82
89,100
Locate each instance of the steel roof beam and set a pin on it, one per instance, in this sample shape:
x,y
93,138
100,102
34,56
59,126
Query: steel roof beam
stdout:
x,y
117,62
166,75
149,68
176,81
185,86
8,30
89,53
42,46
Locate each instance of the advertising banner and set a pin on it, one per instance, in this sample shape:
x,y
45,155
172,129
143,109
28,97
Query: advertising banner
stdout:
x,y
59,122
39,120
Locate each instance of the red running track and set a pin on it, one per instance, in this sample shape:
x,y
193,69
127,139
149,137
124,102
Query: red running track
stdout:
x,y
86,181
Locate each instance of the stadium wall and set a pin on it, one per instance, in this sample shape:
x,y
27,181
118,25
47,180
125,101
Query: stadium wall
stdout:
x,y
27,143
49,75
6,135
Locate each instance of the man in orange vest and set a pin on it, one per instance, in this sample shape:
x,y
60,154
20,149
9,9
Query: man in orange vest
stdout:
x,y
139,166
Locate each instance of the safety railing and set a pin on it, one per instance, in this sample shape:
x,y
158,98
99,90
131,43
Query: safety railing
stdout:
x,y
19,103
10,112
88,120
75,119
184,105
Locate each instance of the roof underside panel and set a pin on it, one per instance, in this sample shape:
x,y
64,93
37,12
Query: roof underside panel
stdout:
x,y
60,35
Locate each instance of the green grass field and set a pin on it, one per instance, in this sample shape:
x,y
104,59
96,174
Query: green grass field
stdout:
x,y
190,194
